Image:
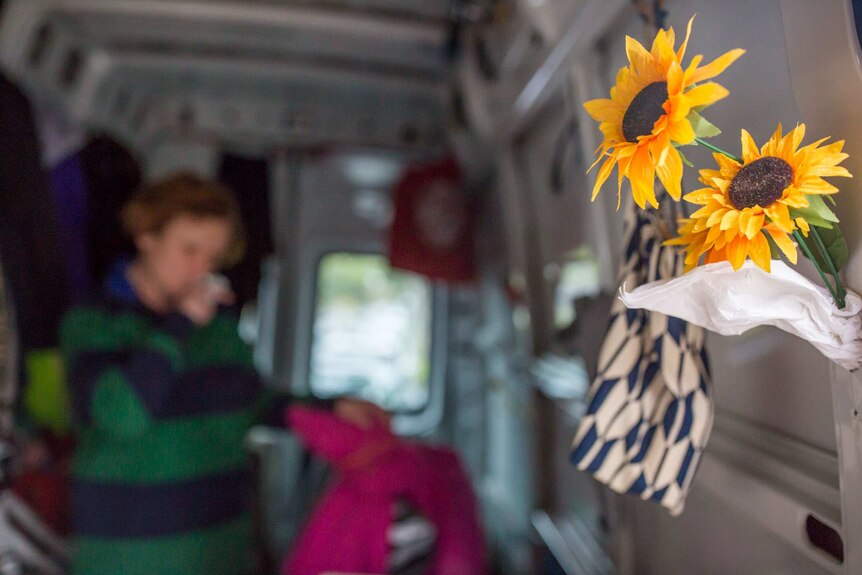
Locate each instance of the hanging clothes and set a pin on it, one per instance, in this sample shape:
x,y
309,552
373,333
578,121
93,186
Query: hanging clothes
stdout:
x,y
249,180
376,472
60,139
112,175
34,272
69,191
650,408
29,237
59,135
432,229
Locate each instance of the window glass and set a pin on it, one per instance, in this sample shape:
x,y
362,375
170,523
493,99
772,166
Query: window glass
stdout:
x,y
371,332
578,277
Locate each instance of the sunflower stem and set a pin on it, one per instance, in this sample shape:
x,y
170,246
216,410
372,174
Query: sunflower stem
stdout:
x,y
842,293
706,144
801,241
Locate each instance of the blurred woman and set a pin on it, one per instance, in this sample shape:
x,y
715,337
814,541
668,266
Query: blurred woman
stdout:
x,y
163,393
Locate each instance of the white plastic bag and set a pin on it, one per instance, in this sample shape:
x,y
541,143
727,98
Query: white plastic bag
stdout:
x,y
731,302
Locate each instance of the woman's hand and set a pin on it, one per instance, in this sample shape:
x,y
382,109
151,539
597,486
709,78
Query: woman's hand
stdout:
x,y
361,413
201,303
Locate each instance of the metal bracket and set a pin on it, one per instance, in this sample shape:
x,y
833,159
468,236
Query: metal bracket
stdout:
x,y
847,407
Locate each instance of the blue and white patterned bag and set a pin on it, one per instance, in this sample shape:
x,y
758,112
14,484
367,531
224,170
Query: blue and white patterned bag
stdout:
x,y
650,409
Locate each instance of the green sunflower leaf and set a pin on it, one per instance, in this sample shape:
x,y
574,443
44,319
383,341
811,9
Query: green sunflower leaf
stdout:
x,y
702,127
685,160
835,244
816,214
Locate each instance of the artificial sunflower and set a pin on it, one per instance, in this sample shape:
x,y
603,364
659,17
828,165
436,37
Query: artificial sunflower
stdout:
x,y
773,190
653,107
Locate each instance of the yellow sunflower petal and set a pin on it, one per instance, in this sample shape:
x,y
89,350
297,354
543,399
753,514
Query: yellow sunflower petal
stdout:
x,y
604,172
758,251
744,219
638,56
793,198
662,48
625,158
830,155
691,260
706,176
712,235
784,243
670,173
715,256
729,220
703,212
813,147
780,215
626,87
677,241
700,196
604,110
787,146
620,175
755,224
717,66
773,145
770,148
713,216
833,148
691,69
681,132
749,148
642,176
675,80
706,94
727,166
816,186
721,184
737,251
830,171
730,235
598,159
659,147
796,136
680,53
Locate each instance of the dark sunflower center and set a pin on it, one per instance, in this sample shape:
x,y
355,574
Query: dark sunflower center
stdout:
x,y
644,110
760,183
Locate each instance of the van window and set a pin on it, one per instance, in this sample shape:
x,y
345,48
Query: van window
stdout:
x,y
578,276
371,332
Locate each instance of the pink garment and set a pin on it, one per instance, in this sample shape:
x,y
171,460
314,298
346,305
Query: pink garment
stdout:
x,y
347,531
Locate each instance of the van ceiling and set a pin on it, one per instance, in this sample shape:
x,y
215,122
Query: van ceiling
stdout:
x,y
426,10
289,72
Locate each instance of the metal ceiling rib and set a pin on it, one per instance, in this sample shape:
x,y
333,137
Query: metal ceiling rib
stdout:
x,y
437,11
272,30
263,15
170,39
383,59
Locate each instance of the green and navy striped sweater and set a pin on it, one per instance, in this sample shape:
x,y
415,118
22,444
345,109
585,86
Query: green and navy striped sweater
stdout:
x,y
160,480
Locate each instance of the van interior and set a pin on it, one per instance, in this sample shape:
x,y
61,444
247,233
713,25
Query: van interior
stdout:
x,y
479,323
